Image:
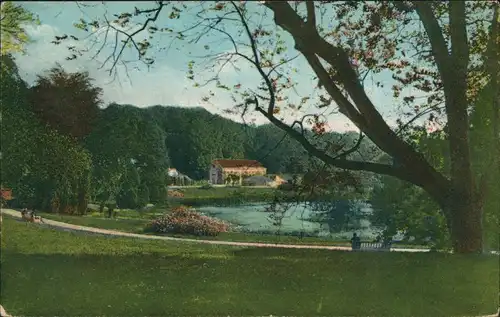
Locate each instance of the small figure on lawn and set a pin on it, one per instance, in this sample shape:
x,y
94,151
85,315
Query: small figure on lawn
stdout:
x,y
355,242
30,216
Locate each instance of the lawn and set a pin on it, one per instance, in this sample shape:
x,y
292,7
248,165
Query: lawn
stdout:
x,y
224,195
222,192
49,273
133,225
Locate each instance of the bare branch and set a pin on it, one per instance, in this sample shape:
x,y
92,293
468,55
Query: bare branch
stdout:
x,y
417,116
272,102
281,64
130,37
353,149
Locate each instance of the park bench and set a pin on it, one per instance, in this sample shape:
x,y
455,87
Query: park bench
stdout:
x,y
372,246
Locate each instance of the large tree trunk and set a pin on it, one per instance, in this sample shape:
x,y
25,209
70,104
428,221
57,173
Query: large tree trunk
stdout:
x,y
462,208
461,204
466,213
455,195
466,223
82,200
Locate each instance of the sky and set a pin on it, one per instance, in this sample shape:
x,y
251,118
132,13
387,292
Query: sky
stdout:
x,y
165,83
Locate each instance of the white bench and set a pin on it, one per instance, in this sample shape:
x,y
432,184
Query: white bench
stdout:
x,y
372,246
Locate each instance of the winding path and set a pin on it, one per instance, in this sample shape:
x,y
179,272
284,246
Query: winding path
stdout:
x,y
89,230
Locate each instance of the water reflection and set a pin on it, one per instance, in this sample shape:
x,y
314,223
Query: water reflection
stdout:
x,y
296,219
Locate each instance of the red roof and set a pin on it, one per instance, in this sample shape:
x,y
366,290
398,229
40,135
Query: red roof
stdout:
x,y
237,163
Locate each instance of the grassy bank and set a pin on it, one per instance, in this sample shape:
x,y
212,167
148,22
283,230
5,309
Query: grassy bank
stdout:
x,y
231,196
224,196
42,270
133,225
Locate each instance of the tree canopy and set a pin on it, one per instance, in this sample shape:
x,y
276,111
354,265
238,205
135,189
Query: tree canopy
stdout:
x,y
13,18
67,102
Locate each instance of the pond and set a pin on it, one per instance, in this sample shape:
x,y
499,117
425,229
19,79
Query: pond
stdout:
x,y
255,218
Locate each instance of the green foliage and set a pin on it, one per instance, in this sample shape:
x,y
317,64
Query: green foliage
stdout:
x,y
13,34
158,193
485,151
67,102
125,141
404,208
37,162
128,197
338,214
143,195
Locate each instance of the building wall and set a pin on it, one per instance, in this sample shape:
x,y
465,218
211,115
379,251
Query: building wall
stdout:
x,y
246,171
218,175
243,172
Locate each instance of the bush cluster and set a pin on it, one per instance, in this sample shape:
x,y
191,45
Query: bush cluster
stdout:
x,y
187,221
175,193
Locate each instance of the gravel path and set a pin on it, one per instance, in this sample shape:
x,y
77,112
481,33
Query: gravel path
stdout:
x,y
89,230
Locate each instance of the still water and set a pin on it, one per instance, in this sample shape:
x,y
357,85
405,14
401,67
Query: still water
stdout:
x,y
255,218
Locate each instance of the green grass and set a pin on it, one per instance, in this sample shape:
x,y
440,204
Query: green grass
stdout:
x,y
223,192
222,196
49,273
133,225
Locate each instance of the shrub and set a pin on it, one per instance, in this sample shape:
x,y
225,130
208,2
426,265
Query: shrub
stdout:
x,y
127,199
175,193
143,195
187,221
286,187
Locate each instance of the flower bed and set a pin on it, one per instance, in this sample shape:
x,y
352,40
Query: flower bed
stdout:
x,y
188,221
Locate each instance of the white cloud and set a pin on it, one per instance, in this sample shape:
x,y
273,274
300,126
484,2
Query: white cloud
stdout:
x,y
162,85
165,84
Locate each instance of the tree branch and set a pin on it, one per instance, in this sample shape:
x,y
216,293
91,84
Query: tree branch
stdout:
x,y
436,38
130,37
311,16
336,162
369,119
344,104
459,41
272,102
